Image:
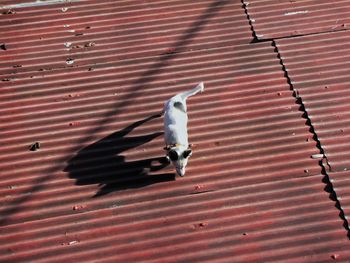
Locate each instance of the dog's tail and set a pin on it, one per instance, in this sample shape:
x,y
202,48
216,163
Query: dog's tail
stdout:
x,y
198,88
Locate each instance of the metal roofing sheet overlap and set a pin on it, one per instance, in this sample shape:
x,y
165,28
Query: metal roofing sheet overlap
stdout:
x,y
317,67
283,18
98,189
340,181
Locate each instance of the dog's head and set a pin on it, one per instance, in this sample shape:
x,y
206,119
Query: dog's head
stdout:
x,y
178,155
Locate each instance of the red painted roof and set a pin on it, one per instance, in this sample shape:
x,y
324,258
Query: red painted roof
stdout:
x,y
317,67
97,189
283,18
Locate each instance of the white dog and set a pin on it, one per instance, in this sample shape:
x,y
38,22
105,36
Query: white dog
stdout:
x,y
175,129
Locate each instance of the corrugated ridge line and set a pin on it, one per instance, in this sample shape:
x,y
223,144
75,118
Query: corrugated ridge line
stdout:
x,y
326,162
131,64
38,230
293,22
24,8
235,239
320,27
59,181
223,181
217,6
320,39
310,161
237,119
148,207
153,89
242,252
65,121
65,33
143,217
325,22
124,77
105,27
340,180
21,19
75,4
151,107
323,56
225,121
214,176
100,245
122,236
196,128
334,74
44,66
30,177
142,62
250,156
249,160
26,4
157,85
85,99
156,108
328,68
23,185
102,38
89,59
264,4
201,117
88,5
249,124
318,10
154,105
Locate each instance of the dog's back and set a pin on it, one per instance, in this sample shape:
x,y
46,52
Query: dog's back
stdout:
x,y
175,117
175,122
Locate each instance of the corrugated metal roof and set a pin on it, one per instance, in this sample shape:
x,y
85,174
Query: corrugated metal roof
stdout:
x,y
317,67
97,188
282,18
340,181
87,32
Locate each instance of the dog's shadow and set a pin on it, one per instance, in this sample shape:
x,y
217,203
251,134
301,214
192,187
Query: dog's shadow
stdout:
x,y
101,163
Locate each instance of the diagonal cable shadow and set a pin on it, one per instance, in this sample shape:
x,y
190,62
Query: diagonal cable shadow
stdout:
x,y
140,84
102,162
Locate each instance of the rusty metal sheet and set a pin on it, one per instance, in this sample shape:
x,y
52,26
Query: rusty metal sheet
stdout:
x,y
318,69
284,18
82,174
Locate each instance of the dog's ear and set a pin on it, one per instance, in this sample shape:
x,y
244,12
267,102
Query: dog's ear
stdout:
x,y
187,153
167,148
173,155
